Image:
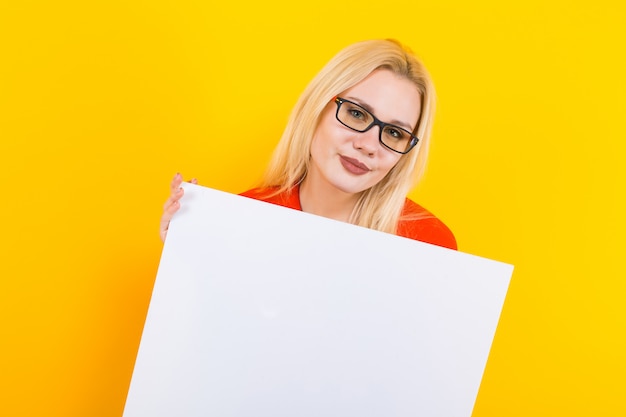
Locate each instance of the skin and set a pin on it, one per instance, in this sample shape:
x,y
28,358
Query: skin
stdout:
x,y
172,204
344,162
331,187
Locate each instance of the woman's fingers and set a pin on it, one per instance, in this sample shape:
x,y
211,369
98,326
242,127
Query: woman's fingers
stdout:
x,y
165,221
176,182
173,198
172,204
168,212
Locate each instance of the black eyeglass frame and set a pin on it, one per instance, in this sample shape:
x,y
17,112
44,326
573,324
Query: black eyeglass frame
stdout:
x,y
376,122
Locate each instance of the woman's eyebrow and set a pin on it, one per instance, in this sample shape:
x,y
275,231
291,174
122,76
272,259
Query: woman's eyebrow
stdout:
x,y
369,109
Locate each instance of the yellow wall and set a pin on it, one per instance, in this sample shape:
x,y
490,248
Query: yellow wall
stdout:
x,y
102,102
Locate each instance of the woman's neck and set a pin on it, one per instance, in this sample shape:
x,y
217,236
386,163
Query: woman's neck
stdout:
x,y
320,198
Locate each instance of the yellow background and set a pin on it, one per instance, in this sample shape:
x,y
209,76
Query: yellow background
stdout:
x,y
101,102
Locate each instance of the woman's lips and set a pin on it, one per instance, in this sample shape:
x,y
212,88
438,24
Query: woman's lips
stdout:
x,y
353,165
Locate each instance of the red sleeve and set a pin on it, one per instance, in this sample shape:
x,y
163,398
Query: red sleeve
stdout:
x,y
287,198
419,224
257,193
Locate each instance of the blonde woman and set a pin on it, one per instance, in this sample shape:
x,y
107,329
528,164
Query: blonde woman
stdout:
x,y
356,142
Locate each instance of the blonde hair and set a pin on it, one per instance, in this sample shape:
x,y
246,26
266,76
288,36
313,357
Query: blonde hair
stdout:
x,y
380,206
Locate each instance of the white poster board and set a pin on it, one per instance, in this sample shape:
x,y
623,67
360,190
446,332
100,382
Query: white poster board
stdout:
x,y
260,310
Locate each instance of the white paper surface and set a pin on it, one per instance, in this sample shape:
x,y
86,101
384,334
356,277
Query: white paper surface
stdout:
x,y
259,310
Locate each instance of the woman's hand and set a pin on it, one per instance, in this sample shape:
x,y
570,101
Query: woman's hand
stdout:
x,y
172,204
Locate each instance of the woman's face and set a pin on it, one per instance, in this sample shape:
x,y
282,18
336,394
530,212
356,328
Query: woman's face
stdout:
x,y
353,161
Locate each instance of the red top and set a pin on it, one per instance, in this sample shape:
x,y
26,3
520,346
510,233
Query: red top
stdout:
x,y
420,225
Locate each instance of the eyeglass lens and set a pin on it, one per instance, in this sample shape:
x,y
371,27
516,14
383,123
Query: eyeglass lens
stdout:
x,y
357,118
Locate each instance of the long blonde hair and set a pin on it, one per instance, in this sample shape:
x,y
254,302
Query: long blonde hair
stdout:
x,y
380,206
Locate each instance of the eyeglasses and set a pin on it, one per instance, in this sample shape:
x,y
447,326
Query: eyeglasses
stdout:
x,y
358,119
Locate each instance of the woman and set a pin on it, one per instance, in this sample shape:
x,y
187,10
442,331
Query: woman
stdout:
x,y
355,144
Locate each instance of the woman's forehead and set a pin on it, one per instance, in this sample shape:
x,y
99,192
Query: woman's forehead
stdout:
x,y
390,97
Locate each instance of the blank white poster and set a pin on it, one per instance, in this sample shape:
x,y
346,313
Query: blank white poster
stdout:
x,y
260,310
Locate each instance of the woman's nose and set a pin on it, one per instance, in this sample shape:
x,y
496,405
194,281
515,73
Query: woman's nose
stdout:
x,y
367,142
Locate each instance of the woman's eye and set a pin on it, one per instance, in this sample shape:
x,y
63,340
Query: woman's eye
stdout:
x,y
395,133
357,114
